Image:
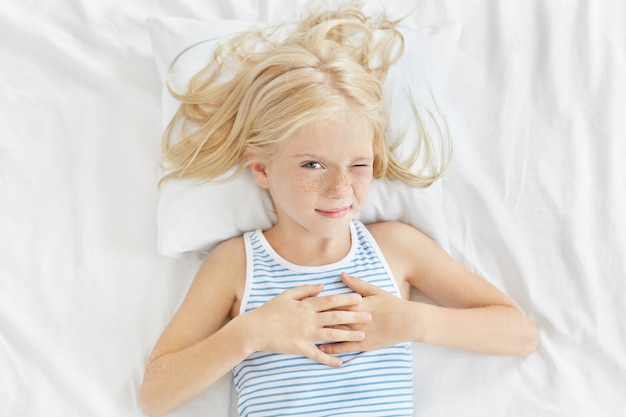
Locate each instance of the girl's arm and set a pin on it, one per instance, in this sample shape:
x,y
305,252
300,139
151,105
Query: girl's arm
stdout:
x,y
471,313
195,350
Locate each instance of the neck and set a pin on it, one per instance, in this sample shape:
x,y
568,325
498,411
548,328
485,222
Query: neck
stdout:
x,y
306,249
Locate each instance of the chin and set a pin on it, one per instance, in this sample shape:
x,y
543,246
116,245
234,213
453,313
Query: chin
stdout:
x,y
331,228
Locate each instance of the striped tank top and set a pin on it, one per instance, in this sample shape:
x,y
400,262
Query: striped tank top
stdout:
x,y
375,383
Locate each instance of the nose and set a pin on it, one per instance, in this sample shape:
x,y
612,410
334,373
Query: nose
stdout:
x,y
338,184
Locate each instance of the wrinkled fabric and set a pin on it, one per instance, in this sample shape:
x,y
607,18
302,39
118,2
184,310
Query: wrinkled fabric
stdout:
x,y
534,201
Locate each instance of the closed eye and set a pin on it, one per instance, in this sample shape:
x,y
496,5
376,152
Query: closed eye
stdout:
x,y
363,164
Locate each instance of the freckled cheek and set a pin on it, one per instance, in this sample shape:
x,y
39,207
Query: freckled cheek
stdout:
x,y
361,176
313,183
362,182
307,184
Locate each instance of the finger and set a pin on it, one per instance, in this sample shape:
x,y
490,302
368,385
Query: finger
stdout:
x,y
358,285
343,347
347,327
318,356
339,335
304,291
336,318
330,302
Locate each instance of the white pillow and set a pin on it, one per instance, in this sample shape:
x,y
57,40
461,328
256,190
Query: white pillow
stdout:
x,y
192,218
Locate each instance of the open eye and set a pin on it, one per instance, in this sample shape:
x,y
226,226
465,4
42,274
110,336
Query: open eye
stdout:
x,y
312,165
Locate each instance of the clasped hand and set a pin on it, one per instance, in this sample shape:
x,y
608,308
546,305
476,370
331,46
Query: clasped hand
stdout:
x,y
294,321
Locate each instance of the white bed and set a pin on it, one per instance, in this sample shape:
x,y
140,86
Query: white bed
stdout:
x,y
535,96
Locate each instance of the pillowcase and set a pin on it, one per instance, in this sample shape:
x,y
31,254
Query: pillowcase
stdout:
x,y
193,217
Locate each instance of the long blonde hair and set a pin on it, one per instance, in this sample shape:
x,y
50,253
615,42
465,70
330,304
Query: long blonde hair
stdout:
x,y
331,61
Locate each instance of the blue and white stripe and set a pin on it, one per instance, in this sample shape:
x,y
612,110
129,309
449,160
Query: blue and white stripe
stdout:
x,y
375,383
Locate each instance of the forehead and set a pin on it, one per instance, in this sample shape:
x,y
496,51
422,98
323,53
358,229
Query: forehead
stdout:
x,y
346,134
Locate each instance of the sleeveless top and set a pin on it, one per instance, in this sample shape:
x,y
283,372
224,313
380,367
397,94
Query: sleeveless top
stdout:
x,y
376,383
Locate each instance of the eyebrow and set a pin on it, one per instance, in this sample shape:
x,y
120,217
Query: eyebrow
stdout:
x,y
314,156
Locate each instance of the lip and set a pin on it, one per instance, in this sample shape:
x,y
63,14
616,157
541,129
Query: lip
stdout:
x,y
335,213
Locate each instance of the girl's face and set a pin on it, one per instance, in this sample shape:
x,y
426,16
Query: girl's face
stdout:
x,y
321,178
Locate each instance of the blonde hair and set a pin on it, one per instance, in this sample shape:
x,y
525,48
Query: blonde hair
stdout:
x,y
331,62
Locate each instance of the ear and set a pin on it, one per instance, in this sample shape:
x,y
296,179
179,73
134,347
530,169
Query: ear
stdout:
x,y
259,172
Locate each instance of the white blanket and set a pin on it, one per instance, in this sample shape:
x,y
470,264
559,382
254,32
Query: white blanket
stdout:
x,y
535,96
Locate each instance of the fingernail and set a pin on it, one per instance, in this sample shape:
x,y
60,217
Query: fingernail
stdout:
x,y
337,363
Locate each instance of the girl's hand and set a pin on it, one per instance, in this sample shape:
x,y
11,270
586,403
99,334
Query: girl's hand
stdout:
x,y
389,324
295,320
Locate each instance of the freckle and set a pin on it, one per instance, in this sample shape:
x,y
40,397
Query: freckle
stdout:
x,y
305,183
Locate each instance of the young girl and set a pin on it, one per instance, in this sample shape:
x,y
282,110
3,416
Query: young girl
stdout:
x,y
320,316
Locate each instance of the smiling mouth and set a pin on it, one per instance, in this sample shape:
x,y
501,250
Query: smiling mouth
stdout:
x,y
335,213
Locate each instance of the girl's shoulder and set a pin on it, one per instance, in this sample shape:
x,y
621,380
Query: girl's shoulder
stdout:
x,y
233,247
392,232
405,248
229,257
397,238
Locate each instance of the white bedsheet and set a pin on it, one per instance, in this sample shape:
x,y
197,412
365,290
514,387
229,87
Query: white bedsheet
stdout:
x,y
535,201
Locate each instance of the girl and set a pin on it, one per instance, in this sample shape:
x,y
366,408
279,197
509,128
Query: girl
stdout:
x,y
320,320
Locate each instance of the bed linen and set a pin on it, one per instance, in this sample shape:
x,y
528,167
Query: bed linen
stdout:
x,y
535,97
